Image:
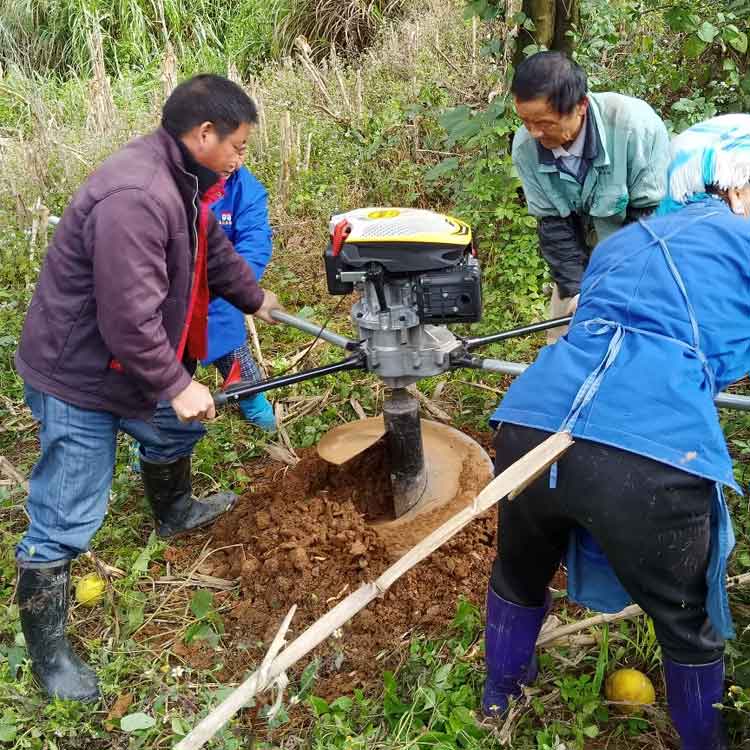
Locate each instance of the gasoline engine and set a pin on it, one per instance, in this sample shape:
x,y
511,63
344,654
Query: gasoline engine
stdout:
x,y
411,272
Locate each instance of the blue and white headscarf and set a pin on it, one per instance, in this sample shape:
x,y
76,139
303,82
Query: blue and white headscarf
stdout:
x,y
715,152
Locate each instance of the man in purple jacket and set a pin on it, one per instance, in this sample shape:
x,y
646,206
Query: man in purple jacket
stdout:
x,y
110,342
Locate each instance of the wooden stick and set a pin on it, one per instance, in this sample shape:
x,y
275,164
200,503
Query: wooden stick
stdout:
x,y
256,344
544,454
258,681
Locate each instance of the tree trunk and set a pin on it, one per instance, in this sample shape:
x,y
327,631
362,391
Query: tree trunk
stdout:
x,y
542,13
567,15
552,20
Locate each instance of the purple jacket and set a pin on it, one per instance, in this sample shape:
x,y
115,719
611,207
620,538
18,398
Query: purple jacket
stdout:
x,y
115,284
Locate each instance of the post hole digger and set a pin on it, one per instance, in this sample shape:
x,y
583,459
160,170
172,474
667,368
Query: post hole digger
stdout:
x,y
414,272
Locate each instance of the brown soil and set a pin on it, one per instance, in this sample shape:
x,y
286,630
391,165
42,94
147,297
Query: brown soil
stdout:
x,y
302,537
306,536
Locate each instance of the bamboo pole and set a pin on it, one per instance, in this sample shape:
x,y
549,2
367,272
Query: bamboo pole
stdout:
x,y
517,475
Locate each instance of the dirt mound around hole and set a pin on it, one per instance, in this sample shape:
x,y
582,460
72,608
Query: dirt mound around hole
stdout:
x,y
303,536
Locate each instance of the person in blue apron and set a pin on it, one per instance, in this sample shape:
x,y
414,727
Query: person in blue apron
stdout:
x,y
635,506
242,213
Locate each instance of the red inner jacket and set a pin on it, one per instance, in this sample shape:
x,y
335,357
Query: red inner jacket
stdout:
x,y
195,333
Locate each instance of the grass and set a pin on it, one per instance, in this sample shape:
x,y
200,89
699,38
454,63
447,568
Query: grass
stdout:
x,y
379,153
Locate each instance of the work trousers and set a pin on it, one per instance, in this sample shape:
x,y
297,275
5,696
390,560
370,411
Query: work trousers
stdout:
x,y
651,520
70,483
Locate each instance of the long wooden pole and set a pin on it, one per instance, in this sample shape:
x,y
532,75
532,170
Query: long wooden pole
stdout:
x,y
516,476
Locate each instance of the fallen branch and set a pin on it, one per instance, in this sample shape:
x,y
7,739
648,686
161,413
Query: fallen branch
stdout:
x,y
9,470
574,627
432,408
628,613
517,474
18,478
198,579
104,570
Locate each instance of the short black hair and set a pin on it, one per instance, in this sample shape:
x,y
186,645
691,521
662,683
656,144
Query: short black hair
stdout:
x,y
207,98
552,76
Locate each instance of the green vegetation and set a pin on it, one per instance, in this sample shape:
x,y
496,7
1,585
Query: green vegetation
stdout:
x,y
53,37
398,115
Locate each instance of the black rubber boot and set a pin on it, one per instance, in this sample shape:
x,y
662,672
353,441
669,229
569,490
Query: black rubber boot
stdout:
x,y
169,491
43,603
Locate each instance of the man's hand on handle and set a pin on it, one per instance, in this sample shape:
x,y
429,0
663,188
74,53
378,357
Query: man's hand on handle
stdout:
x,y
270,302
194,403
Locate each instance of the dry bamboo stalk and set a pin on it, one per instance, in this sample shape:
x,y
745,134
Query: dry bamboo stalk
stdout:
x,y
38,228
543,455
359,95
474,47
429,406
552,635
168,70
281,430
305,57
233,74
305,409
261,138
358,410
294,359
286,146
109,571
344,94
308,151
198,579
298,148
256,345
101,113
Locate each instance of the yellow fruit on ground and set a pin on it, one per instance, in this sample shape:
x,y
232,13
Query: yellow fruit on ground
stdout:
x,y
629,686
90,589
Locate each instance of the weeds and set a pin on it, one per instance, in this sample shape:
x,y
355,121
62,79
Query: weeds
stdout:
x,y
422,136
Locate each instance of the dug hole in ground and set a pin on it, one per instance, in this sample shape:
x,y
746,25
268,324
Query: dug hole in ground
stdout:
x,y
309,535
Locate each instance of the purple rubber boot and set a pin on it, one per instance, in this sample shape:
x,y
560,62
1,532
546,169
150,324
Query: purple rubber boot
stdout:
x,y
692,689
509,650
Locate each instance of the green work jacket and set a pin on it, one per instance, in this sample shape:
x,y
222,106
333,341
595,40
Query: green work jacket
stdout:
x,y
629,169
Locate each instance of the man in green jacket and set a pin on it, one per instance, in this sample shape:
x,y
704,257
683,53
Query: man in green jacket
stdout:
x,y
589,164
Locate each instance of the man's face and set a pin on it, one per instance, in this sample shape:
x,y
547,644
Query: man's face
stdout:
x,y
546,125
221,155
238,162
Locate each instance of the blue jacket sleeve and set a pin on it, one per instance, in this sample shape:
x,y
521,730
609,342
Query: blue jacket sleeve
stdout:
x,y
252,230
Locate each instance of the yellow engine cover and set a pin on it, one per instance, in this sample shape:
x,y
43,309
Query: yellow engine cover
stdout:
x,y
403,225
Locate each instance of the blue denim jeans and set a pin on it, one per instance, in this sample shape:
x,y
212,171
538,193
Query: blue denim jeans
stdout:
x,y
69,485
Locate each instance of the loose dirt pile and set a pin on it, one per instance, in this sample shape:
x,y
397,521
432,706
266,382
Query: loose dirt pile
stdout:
x,y
304,536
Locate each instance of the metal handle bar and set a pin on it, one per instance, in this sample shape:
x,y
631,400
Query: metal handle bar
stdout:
x,y
315,330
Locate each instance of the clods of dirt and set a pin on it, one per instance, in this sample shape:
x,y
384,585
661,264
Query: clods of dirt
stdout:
x,y
311,534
